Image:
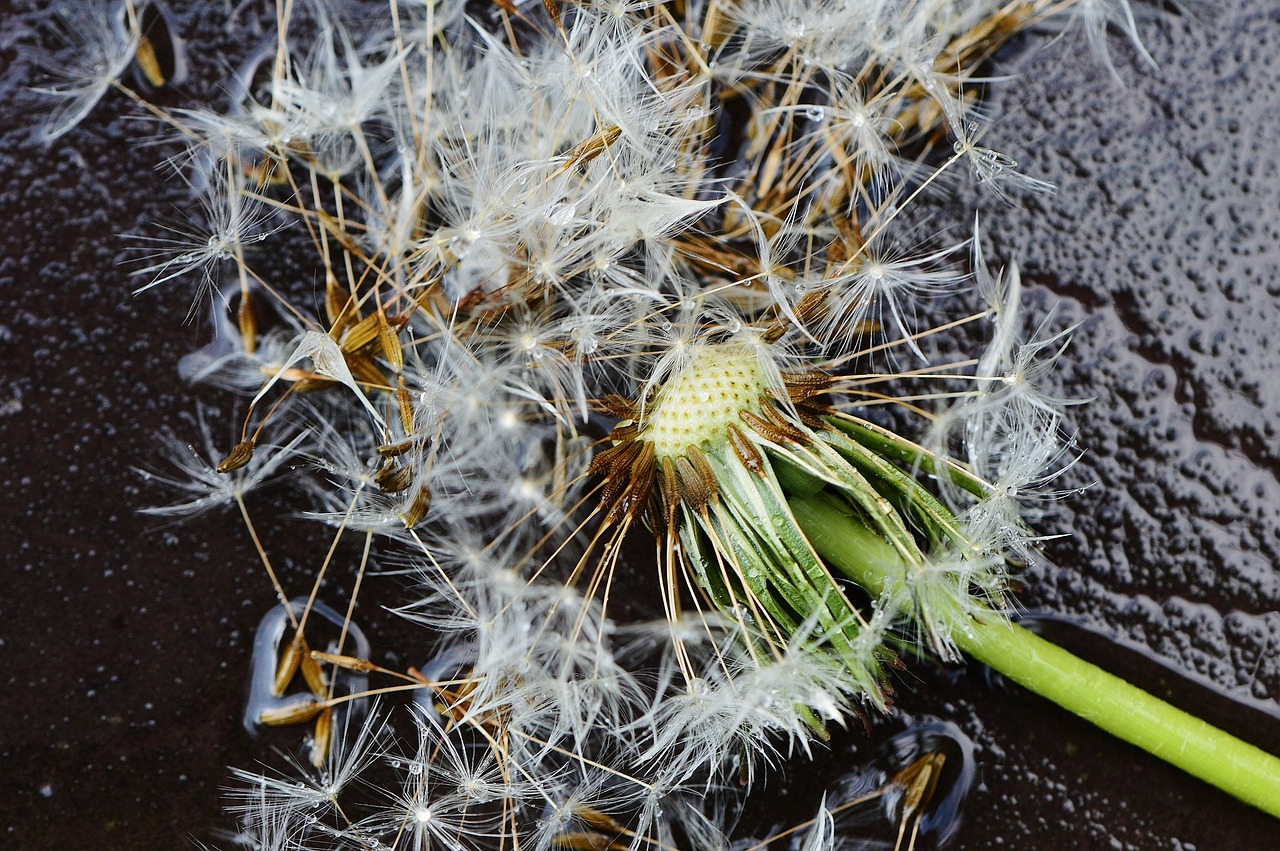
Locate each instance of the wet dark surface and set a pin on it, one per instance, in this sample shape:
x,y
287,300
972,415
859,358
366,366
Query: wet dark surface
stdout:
x,y
126,643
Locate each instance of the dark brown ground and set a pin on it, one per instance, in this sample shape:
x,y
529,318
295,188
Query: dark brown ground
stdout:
x,y
125,643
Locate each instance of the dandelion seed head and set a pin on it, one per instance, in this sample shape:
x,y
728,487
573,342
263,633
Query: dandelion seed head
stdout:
x,y
638,214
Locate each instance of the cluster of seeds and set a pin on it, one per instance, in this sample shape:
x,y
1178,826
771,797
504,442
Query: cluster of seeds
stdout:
x,y
574,265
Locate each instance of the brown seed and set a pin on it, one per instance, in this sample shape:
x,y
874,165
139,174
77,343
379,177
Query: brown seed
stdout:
x,y
697,479
393,479
418,506
582,841
670,492
158,55
612,461
322,737
241,454
288,666
297,711
620,407
395,450
350,663
597,819
362,333
812,415
553,9
365,371
773,427
389,340
405,401
313,674
643,471
746,451
590,148
338,305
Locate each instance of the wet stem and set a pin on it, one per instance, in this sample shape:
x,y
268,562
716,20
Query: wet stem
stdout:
x,y
1124,710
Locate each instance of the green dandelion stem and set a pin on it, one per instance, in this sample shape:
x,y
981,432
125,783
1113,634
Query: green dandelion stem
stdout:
x,y
1234,766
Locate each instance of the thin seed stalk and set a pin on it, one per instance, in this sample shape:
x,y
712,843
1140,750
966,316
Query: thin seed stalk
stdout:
x,y
1122,709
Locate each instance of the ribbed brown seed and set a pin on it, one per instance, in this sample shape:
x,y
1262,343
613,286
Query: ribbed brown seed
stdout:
x,y
313,674
634,484
241,454
350,663
782,424
393,479
693,491
811,415
395,450
584,841
615,485
597,819
365,371
295,712
553,9
322,737
624,432
590,148
313,384
620,407
670,492
805,385
812,305
776,330
747,452
642,475
337,304
362,333
288,665
405,401
418,506
389,340
614,459
767,430
697,480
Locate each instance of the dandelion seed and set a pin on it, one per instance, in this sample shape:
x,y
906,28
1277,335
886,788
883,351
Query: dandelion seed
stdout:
x,y
204,487
101,38
328,362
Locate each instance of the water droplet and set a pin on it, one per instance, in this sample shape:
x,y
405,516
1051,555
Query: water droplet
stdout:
x,y
460,245
815,113
561,214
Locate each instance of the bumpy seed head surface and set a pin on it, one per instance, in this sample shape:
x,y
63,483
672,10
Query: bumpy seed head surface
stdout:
x,y
700,401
